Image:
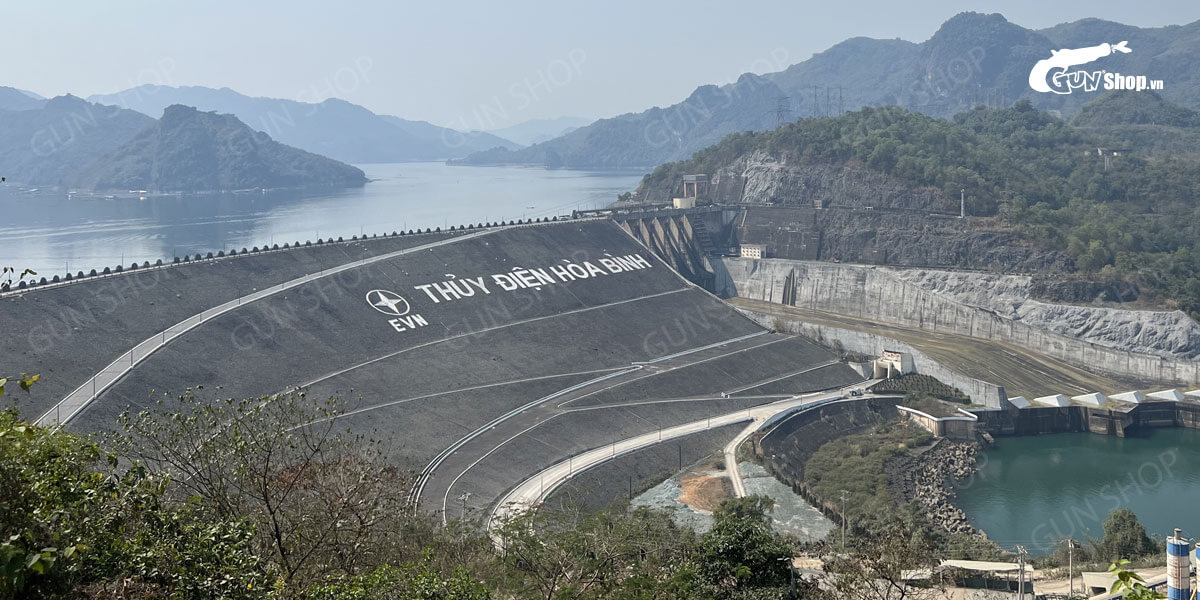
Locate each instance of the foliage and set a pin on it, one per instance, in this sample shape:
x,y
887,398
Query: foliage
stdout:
x,y
318,497
1132,584
70,518
923,384
1130,216
576,554
421,581
740,549
1124,537
855,463
265,498
875,567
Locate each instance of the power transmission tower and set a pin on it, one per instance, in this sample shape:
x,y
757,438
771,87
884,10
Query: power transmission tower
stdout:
x,y
783,110
1021,572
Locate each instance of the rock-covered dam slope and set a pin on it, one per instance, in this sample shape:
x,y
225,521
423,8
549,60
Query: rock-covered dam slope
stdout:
x,y
483,356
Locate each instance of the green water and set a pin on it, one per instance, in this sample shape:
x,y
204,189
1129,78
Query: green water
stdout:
x,y
1033,490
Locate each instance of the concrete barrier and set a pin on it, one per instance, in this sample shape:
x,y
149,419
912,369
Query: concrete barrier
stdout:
x,y
981,392
870,292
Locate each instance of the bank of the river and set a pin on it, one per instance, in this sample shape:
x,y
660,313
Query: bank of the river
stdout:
x,y
1033,490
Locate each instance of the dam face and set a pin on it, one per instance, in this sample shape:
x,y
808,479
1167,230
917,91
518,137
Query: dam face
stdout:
x,y
484,356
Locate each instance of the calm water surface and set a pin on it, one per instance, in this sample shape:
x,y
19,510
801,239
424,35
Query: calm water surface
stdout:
x,y
1032,490
51,233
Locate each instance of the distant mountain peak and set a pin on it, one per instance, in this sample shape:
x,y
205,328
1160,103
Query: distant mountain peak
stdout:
x,y
193,150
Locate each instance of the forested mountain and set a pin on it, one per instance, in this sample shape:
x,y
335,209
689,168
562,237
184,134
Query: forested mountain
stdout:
x,y
1143,121
190,150
335,128
972,59
45,145
1131,215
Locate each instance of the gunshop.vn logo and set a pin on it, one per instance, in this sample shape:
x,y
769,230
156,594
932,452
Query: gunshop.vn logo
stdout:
x,y
1054,74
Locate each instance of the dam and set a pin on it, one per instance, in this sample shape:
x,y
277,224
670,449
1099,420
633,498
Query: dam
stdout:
x,y
493,354
486,354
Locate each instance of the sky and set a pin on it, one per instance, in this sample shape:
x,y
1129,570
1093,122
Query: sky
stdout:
x,y
472,65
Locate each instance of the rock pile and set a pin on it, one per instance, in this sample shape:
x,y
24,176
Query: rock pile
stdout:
x,y
925,479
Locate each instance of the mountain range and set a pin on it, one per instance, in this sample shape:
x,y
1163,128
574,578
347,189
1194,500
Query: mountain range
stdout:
x,y
539,130
70,142
46,142
973,59
334,128
192,150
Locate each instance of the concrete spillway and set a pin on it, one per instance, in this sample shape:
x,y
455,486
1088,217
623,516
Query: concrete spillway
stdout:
x,y
485,355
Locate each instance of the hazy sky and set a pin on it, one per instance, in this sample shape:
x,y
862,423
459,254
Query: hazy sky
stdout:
x,y
475,65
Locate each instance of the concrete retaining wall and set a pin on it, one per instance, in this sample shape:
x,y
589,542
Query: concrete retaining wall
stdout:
x,y
870,292
981,392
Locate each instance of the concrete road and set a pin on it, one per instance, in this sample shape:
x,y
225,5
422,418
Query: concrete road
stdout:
x,y
439,477
760,417
537,487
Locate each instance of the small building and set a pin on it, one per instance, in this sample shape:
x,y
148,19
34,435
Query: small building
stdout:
x,y
689,202
753,251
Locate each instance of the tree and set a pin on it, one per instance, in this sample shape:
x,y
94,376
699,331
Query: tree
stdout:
x,y
740,549
573,553
876,568
72,520
1124,537
419,581
319,498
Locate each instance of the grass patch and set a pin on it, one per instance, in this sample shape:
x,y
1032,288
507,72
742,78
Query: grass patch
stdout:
x,y
931,405
855,463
